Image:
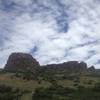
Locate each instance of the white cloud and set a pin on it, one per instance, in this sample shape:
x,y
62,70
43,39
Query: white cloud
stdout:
x,y
38,25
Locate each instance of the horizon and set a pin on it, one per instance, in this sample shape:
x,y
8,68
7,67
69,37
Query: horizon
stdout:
x,y
52,32
49,63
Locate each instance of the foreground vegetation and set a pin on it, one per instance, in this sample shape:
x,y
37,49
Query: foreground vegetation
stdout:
x,y
49,86
62,93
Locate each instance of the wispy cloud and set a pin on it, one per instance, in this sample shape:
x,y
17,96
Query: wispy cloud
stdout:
x,y
52,31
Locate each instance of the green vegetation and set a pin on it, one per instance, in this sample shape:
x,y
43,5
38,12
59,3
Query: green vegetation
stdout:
x,y
62,93
49,86
9,93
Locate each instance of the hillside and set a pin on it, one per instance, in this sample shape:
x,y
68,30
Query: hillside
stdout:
x,y
65,81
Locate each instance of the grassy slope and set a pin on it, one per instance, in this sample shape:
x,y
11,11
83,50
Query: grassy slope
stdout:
x,y
9,79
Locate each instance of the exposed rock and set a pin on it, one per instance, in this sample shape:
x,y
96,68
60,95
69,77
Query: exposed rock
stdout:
x,y
72,66
82,66
91,69
21,61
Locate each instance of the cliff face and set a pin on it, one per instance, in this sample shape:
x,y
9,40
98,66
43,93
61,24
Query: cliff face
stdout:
x,y
72,66
91,69
21,61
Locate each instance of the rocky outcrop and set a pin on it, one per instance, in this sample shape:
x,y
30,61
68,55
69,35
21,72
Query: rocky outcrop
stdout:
x,y
72,66
22,61
91,69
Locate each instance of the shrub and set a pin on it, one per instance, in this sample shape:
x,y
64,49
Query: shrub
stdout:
x,y
8,93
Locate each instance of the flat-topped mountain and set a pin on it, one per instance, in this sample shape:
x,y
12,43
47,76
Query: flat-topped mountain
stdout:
x,y
22,61
69,66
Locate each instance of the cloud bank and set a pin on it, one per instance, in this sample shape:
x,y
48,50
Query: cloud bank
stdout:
x,y
52,31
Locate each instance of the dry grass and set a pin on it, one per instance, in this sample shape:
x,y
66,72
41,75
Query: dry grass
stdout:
x,y
11,80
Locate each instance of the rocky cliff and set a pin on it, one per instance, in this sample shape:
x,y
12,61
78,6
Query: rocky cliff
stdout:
x,y
22,61
72,66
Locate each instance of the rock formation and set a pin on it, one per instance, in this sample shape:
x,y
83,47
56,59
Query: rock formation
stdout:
x,y
22,61
91,69
72,66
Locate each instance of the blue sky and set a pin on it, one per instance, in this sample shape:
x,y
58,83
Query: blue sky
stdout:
x,y
53,31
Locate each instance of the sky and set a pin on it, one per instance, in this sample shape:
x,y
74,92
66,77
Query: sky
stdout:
x,y
53,31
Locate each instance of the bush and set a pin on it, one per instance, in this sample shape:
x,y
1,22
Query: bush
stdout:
x,y
8,93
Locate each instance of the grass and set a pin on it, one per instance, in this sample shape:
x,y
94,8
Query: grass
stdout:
x,y
30,86
24,85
